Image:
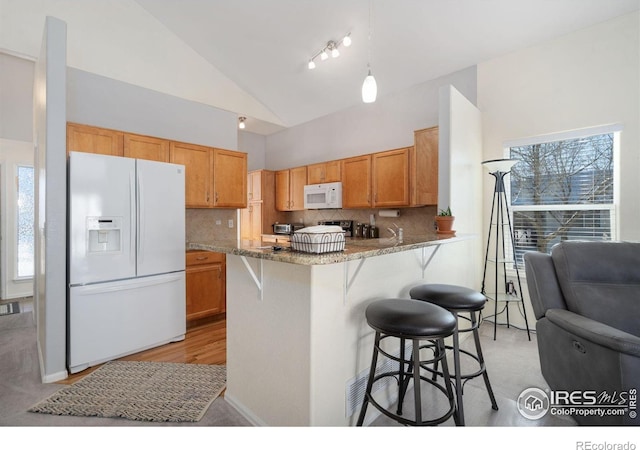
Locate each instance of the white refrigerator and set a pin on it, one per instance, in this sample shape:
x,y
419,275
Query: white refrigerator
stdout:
x,y
126,262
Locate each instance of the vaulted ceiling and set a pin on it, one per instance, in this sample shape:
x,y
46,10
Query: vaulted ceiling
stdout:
x,y
250,56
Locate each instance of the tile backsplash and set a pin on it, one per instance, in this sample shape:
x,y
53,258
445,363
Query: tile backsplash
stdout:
x,y
414,221
202,224
213,224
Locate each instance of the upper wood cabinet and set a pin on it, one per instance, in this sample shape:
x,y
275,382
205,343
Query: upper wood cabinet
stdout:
x,y
146,147
198,162
424,167
326,172
214,177
356,182
260,214
229,179
390,178
88,139
255,180
290,189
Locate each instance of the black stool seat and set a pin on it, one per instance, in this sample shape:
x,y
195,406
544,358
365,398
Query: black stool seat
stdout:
x,y
410,318
415,321
448,296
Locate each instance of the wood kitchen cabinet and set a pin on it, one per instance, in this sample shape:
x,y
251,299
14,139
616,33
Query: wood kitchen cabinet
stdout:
x,y
146,147
255,180
88,139
424,167
390,178
289,186
229,179
356,182
206,284
198,162
260,214
251,222
214,178
326,172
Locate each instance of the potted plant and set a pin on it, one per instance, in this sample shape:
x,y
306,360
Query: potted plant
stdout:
x,y
444,221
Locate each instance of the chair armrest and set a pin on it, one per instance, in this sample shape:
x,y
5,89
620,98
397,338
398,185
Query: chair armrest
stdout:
x,y
596,332
544,289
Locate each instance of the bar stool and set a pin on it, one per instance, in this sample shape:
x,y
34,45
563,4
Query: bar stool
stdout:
x,y
417,321
458,300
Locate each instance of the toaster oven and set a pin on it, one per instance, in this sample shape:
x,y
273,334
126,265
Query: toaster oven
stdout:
x,y
286,228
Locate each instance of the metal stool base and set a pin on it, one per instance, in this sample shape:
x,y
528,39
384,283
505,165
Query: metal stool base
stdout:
x,y
405,377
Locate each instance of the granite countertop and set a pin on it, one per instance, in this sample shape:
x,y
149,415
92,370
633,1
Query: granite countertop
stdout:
x,y
354,248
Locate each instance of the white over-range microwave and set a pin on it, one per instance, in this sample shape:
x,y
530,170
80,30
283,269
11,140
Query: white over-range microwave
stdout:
x,y
323,196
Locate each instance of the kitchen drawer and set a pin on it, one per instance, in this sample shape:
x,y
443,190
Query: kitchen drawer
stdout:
x,y
197,257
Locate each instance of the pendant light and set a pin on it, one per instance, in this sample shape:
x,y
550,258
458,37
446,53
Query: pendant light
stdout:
x,y
369,87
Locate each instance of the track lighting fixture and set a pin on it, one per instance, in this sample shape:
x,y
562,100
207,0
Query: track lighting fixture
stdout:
x,y
330,48
241,122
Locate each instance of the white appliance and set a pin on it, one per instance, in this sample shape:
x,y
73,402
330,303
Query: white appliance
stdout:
x,y
126,273
323,196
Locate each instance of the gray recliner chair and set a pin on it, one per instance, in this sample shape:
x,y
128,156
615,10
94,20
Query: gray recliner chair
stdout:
x,y
586,297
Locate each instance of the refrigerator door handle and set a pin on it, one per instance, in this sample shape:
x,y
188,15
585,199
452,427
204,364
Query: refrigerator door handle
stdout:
x,y
132,217
135,283
141,213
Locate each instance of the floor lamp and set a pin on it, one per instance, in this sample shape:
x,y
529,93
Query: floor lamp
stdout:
x,y
500,227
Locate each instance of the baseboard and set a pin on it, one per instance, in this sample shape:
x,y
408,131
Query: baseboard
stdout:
x,y
243,411
50,378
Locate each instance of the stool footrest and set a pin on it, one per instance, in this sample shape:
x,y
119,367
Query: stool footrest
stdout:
x,y
404,420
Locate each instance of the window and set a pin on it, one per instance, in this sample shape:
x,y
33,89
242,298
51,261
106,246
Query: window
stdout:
x,y
25,222
563,190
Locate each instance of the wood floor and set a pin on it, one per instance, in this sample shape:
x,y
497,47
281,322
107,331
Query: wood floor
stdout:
x,y
204,343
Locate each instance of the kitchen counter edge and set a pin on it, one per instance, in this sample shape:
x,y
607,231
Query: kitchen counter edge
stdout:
x,y
355,249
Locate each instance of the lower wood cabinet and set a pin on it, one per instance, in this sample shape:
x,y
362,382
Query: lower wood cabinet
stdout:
x,y
206,284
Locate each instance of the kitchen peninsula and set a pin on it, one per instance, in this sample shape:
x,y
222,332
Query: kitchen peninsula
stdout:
x,y
298,345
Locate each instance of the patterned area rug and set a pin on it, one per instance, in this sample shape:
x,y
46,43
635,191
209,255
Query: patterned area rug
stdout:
x,y
134,390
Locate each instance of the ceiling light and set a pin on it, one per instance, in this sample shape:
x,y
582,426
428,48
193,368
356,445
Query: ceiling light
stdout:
x,y
369,89
241,122
331,47
369,86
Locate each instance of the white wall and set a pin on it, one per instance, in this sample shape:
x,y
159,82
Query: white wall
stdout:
x,y
12,154
16,98
459,177
50,290
584,79
16,147
254,145
386,124
108,103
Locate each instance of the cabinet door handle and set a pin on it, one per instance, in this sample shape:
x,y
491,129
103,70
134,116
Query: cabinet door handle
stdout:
x,y
202,258
219,273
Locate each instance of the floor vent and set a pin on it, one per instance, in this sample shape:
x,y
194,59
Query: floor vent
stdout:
x,y
357,386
